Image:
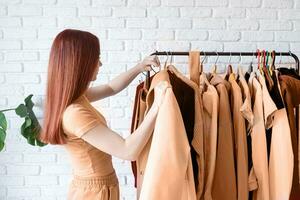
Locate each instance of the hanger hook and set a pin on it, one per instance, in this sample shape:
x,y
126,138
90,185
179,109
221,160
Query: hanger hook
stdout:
x,y
280,58
217,58
229,57
166,60
203,58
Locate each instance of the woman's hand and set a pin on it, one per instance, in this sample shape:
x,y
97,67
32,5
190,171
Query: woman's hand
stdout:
x,y
159,92
145,65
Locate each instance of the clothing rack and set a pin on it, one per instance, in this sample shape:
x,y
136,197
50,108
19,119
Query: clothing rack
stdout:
x,y
214,53
255,54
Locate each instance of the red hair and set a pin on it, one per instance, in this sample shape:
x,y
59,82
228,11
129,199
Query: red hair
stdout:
x,y
73,60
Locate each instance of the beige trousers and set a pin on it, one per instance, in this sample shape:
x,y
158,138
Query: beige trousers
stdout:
x,y
94,188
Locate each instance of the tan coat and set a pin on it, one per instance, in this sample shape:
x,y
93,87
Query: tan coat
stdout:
x,y
224,184
259,175
167,160
240,135
281,161
197,141
210,109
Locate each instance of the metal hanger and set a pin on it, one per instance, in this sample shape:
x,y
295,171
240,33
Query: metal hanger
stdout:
x,y
201,63
165,65
229,67
214,71
250,67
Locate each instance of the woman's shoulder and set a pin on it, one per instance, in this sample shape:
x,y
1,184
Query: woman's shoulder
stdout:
x,y
76,106
77,114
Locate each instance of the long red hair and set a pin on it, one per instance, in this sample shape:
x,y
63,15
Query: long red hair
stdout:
x,y
73,60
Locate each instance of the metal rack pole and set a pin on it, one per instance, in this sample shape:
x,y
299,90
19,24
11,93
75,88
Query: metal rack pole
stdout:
x,y
214,53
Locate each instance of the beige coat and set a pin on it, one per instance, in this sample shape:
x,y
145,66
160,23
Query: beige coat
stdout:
x,y
197,141
239,129
259,175
210,109
168,160
281,161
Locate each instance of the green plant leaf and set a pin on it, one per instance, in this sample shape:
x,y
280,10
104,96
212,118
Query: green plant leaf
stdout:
x,y
1,145
21,110
2,138
3,122
28,102
2,135
39,143
31,140
28,122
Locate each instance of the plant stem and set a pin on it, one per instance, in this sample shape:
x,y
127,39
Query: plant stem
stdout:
x,y
7,109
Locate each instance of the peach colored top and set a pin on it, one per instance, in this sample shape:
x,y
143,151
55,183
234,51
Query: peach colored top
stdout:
x,y
87,161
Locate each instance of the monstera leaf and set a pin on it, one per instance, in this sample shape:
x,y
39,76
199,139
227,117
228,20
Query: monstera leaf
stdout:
x,y
30,129
3,127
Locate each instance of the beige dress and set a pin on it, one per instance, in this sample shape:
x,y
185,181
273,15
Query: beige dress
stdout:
x,y
93,174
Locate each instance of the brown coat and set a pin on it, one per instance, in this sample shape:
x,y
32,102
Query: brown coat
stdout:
x,y
224,184
290,88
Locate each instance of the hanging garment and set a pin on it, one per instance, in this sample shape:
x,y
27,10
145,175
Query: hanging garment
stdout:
x,y
239,128
184,95
137,117
281,153
288,71
259,175
224,183
210,117
94,175
169,160
246,108
290,87
247,113
197,142
139,109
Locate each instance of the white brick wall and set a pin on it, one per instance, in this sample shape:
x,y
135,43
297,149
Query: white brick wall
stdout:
x,y
128,31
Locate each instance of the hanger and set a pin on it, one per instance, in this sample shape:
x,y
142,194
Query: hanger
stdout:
x,y
146,85
170,66
165,65
273,55
268,77
239,69
214,70
259,61
229,69
291,56
250,67
271,62
171,60
201,63
280,58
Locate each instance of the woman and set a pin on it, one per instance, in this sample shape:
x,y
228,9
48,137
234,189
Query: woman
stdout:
x,y
71,120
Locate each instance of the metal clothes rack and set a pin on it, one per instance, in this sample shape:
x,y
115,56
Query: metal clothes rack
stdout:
x,y
185,53
203,53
